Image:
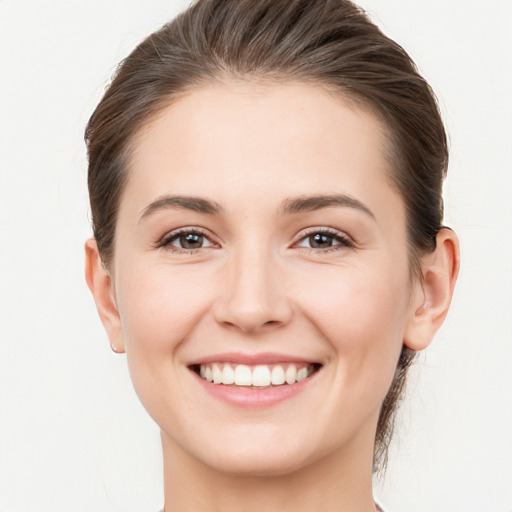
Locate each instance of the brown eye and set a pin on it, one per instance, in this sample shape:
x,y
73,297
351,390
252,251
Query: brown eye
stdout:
x,y
190,241
325,240
187,240
320,241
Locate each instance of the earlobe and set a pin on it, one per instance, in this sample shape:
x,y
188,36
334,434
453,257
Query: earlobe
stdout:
x,y
100,283
433,295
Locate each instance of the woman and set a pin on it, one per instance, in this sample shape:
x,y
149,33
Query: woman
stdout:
x,y
265,182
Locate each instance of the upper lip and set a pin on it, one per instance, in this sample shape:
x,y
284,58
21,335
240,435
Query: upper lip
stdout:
x,y
251,359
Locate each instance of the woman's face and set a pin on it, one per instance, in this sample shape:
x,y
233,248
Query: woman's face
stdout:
x,y
259,239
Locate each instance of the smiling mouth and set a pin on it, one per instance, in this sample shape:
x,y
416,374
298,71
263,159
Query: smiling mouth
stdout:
x,y
255,376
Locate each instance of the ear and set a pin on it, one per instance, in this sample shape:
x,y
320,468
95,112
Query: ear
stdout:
x,y
433,294
101,286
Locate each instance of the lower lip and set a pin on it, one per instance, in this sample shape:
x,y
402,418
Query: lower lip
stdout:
x,y
255,397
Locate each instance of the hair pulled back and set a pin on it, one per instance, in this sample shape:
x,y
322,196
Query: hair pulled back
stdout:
x,y
329,42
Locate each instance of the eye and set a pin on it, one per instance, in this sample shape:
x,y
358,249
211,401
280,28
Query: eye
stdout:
x,y
186,240
322,239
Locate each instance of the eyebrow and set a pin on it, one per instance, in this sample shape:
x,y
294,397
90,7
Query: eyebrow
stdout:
x,y
317,202
289,206
196,204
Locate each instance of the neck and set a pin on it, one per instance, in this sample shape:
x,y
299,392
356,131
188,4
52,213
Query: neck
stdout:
x,y
337,482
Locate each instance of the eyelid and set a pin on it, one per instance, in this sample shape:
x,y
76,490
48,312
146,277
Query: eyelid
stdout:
x,y
345,241
165,241
342,237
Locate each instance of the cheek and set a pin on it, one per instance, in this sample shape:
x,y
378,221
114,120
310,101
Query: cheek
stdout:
x,y
362,316
362,313
357,300
160,305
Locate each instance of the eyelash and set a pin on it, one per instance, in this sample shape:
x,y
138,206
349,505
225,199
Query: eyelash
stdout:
x,y
175,235
343,240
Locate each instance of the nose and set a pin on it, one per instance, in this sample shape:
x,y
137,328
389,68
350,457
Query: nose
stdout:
x,y
253,297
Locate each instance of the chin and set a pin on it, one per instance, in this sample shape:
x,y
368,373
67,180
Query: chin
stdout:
x,y
254,464
251,452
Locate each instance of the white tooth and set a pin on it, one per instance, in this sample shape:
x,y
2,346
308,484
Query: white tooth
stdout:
x,y
202,371
291,374
228,374
217,373
278,376
208,374
243,375
302,374
261,376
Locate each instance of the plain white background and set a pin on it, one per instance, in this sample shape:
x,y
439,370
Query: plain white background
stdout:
x,y
73,436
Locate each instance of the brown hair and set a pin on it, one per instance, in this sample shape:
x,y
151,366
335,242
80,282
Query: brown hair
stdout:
x,y
328,42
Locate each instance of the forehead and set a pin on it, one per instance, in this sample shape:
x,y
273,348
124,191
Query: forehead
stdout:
x,y
260,141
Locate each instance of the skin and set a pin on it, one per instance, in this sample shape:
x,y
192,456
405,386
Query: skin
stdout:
x,y
258,286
